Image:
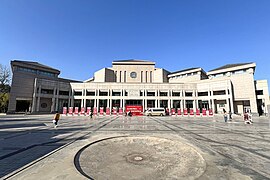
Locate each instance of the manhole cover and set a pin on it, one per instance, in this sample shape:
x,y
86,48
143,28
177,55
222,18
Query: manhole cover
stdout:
x,y
139,158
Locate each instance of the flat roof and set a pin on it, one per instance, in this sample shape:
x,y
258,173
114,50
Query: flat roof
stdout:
x,y
133,61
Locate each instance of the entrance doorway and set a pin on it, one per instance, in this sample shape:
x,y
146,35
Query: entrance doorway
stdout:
x,y
23,105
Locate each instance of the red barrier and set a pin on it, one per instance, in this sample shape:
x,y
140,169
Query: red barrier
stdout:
x,y
120,112
185,112
167,111
76,111
211,112
198,112
107,111
114,111
204,112
173,112
101,111
70,111
191,112
95,111
82,111
64,110
88,111
179,112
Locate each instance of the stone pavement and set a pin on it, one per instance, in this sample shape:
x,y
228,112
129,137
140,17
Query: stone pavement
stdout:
x,y
133,148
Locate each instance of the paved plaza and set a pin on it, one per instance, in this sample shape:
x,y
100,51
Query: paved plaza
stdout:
x,y
111,147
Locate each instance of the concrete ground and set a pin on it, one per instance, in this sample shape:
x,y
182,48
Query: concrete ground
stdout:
x,y
133,148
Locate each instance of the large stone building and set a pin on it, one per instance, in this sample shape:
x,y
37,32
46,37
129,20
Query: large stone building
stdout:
x,y
137,82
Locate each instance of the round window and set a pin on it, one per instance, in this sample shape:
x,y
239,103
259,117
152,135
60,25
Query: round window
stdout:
x,y
44,105
133,74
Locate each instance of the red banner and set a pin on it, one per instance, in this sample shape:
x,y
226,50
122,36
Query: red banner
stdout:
x,y
70,110
185,112
198,112
204,112
135,110
64,110
107,111
179,112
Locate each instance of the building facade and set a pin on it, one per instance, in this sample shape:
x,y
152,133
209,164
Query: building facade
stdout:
x,y
139,83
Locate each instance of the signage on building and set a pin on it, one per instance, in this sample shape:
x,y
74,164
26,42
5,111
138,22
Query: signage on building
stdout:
x,y
133,93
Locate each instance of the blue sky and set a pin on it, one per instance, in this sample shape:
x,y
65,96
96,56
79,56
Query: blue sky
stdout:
x,y
80,37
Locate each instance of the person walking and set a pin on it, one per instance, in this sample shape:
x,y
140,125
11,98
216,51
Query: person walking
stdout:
x,y
230,115
56,119
225,115
91,115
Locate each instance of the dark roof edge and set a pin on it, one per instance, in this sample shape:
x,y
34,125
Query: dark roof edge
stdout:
x,y
34,64
227,66
188,69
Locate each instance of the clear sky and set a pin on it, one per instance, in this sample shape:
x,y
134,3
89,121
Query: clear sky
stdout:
x,y
79,37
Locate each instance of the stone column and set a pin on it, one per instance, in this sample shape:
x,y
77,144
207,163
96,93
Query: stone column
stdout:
x,y
69,98
72,98
53,100
181,100
209,99
34,96
231,98
57,99
38,100
196,97
184,99
227,100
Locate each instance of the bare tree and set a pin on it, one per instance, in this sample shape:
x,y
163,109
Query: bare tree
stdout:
x,y
4,75
4,88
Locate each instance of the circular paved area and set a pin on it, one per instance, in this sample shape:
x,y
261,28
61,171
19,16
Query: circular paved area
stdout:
x,y
139,158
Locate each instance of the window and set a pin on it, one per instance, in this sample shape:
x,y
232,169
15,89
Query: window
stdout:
x,y
46,91
202,93
44,73
90,93
44,105
78,93
259,92
103,93
133,74
116,93
175,93
27,70
188,94
222,92
120,76
65,93
151,93
163,94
